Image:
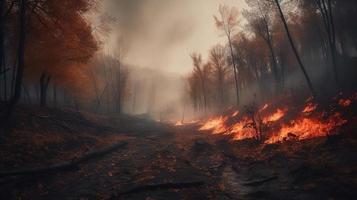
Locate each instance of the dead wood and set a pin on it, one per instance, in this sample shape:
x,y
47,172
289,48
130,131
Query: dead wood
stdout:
x,y
68,165
260,182
169,185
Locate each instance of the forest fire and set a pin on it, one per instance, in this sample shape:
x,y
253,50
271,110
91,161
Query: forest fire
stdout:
x,y
304,128
295,126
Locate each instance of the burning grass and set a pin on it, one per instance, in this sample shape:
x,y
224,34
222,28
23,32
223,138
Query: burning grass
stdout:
x,y
272,124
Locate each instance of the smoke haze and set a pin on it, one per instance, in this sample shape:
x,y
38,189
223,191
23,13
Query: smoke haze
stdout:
x,y
162,33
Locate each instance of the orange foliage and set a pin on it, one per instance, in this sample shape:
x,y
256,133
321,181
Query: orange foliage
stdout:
x,y
60,43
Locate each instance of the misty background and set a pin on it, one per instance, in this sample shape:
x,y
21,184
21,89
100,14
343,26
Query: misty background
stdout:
x,y
157,37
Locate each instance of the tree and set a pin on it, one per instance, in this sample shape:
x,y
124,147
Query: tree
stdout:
x,y
294,48
326,12
59,40
228,22
202,71
261,20
218,61
21,60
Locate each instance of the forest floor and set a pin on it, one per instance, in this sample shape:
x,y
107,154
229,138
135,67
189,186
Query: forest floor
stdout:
x,y
161,161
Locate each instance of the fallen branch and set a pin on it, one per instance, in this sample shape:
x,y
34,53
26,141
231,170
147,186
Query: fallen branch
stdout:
x,y
68,165
261,181
169,185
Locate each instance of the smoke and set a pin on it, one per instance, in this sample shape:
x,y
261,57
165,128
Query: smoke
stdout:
x,y
159,36
162,33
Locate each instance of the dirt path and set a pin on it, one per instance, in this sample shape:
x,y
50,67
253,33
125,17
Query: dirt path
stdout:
x,y
172,163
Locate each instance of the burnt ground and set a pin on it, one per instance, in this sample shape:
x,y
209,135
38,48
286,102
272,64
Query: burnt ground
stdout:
x,y
165,162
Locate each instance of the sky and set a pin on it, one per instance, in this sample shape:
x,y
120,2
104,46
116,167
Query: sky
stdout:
x,y
161,34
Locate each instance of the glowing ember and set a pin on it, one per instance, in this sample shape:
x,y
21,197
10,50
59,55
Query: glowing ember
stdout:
x,y
309,108
344,102
304,128
235,113
215,124
264,107
274,117
179,123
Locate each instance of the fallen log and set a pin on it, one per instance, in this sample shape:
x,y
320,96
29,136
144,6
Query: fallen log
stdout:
x,y
261,181
67,165
169,185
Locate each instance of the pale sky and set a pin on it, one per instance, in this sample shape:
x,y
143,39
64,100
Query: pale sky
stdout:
x,y
163,33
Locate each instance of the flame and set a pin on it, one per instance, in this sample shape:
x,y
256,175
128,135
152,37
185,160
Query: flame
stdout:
x,y
240,130
298,125
309,108
304,128
264,107
345,102
179,123
235,113
274,117
215,124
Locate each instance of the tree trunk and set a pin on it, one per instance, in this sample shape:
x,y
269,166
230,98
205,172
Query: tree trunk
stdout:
x,y
294,49
235,69
2,52
54,95
119,90
21,60
44,82
333,45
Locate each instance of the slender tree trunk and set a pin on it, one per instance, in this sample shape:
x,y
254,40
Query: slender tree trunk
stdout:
x,y
21,59
26,93
295,50
274,65
333,45
44,82
2,53
235,69
54,95
119,89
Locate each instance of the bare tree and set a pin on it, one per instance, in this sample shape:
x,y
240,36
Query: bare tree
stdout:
x,y
228,23
218,61
326,12
261,22
202,71
21,59
294,48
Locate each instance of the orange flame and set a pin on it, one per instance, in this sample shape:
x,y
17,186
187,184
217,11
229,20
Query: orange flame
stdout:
x,y
304,128
240,131
215,124
274,117
309,108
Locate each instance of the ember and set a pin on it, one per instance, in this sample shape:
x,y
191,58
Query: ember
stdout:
x,y
309,108
344,102
235,113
